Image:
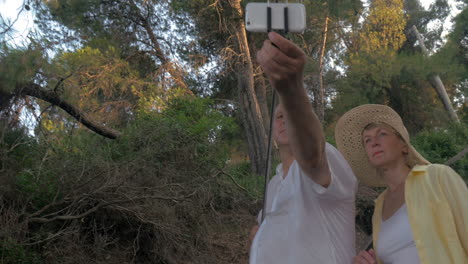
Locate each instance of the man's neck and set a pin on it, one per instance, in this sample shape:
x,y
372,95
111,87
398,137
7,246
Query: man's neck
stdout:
x,y
287,159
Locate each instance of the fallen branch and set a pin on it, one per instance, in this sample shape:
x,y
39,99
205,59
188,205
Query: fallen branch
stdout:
x,y
457,157
234,181
101,205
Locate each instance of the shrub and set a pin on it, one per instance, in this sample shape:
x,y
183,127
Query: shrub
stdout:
x,y
439,145
13,253
155,195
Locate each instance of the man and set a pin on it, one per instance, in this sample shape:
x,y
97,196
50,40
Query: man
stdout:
x,y
310,208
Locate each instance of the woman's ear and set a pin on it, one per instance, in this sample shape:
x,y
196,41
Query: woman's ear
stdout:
x,y
405,149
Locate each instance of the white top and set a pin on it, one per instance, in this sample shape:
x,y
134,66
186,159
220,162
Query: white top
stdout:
x,y
396,243
305,222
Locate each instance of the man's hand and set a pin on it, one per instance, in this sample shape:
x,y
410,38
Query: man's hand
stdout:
x,y
365,257
282,61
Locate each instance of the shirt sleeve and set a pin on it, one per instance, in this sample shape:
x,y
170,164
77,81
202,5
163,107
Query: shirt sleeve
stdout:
x,y
456,192
343,185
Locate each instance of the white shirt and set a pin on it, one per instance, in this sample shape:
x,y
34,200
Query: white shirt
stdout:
x,y
305,222
396,243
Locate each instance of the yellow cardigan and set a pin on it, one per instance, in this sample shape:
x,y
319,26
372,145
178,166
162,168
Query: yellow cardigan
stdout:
x,y
437,202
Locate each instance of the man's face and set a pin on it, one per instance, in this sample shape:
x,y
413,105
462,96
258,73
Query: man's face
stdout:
x,y
280,134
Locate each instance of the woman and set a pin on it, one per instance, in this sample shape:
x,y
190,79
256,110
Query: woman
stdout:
x,y
422,216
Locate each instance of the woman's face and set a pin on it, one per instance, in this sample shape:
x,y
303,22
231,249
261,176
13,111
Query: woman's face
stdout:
x,y
383,147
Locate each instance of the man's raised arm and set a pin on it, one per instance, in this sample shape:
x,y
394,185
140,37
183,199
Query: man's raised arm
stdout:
x,y
284,63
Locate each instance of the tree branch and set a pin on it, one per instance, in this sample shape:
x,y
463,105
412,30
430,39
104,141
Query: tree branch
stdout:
x,y
145,23
35,90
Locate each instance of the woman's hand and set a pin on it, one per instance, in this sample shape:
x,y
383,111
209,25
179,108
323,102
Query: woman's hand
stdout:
x,y
365,257
253,232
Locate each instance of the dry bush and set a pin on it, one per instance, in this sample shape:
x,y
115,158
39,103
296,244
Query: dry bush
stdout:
x,y
364,209
157,195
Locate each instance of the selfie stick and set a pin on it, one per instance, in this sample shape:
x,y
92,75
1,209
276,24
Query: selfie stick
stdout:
x,y
273,99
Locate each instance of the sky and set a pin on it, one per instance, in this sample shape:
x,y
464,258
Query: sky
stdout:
x,y
9,10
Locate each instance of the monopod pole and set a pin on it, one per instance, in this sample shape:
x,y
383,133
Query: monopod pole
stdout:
x,y
268,159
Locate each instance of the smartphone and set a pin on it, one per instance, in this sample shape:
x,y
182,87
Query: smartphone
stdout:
x,y
256,18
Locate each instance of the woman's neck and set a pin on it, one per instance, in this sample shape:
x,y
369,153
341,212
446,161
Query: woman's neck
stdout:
x,y
395,176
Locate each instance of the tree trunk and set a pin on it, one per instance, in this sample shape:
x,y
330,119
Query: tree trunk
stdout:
x,y
261,93
250,109
320,99
437,82
253,128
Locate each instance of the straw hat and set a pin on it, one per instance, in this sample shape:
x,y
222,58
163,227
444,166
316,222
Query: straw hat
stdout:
x,y
348,135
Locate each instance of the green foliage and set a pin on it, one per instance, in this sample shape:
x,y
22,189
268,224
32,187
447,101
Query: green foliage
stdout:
x,y
21,157
175,147
19,65
14,253
71,12
439,145
452,63
98,80
177,153
382,71
458,37
188,127
242,175
38,187
18,148
376,45
383,28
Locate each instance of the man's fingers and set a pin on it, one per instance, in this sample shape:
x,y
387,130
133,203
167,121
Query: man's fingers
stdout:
x,y
285,45
283,62
275,70
274,61
277,55
359,260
